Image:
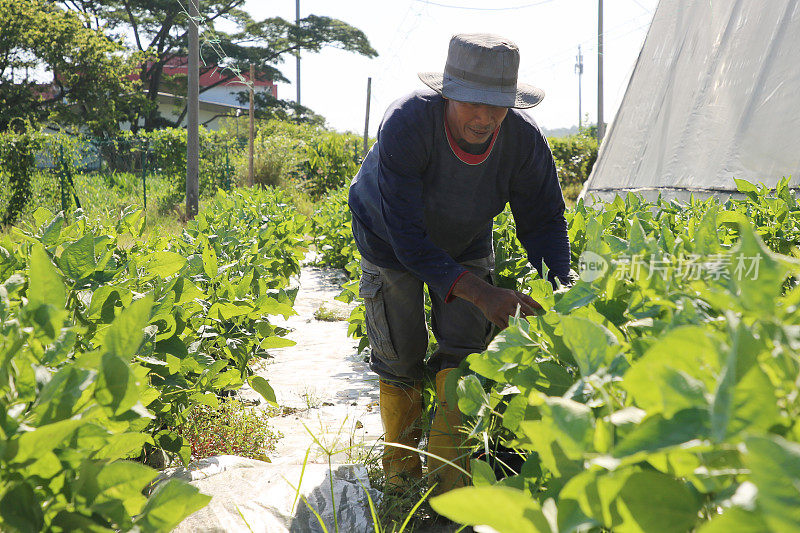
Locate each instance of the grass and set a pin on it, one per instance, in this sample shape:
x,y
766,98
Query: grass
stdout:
x,y
329,314
311,398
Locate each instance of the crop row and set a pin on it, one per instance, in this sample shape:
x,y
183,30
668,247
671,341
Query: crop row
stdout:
x,y
110,337
659,392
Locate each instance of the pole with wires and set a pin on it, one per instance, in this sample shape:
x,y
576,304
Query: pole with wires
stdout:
x,y
297,23
601,127
251,124
366,119
579,70
193,101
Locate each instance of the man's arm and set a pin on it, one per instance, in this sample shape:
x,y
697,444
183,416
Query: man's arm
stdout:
x,y
538,208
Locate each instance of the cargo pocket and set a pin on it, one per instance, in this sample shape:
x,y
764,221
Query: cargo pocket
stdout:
x,y
369,289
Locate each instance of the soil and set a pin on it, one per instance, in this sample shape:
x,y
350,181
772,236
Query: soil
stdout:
x,y
327,393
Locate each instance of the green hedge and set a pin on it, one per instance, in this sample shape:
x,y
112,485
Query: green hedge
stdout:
x,y
574,156
312,158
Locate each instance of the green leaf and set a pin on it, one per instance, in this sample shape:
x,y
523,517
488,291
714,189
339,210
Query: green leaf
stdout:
x,y
125,334
52,231
515,412
736,519
595,492
542,291
747,188
658,503
164,263
121,481
116,385
556,379
502,508
21,510
732,217
42,216
186,291
757,274
78,260
210,264
173,346
676,373
566,421
742,402
482,473
207,398
472,399
637,238
274,342
106,300
228,310
45,286
656,433
31,445
267,305
706,241
511,348
579,295
122,445
774,465
170,503
262,386
593,346
58,398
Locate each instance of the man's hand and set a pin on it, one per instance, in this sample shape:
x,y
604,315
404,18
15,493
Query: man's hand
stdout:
x,y
495,303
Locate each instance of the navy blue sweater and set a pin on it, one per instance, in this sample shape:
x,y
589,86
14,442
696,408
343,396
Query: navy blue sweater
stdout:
x,y
421,204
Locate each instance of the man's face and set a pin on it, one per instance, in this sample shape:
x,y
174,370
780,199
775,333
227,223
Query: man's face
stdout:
x,y
473,123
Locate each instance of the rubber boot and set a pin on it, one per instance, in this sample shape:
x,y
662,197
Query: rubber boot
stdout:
x,y
401,409
445,441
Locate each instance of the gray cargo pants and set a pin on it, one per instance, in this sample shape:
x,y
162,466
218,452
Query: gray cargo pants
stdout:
x,y
395,318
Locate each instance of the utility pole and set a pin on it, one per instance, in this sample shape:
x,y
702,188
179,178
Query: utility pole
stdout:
x,y
297,23
366,119
193,97
251,139
601,127
579,70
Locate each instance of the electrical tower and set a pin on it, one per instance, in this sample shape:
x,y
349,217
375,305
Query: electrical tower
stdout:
x,y
579,70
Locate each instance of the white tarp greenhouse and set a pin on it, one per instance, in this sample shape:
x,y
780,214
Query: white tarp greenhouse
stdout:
x,y
714,95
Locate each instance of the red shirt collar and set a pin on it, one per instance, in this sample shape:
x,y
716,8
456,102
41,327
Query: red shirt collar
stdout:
x,y
465,157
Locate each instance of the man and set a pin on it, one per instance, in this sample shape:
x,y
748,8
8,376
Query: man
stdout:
x,y
445,163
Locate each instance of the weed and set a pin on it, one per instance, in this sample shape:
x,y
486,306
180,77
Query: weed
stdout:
x,y
229,429
329,314
311,398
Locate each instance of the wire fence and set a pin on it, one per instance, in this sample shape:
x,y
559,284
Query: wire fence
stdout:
x,y
121,162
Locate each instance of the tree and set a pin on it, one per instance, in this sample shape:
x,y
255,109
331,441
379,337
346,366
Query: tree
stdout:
x,y
159,28
90,85
267,106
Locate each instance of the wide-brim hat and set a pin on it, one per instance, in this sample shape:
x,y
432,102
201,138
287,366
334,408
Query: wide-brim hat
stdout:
x,y
482,68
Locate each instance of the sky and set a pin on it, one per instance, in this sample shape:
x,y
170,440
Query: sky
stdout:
x,y
412,36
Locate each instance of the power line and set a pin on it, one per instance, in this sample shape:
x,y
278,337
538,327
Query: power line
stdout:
x,y
470,8
589,45
640,5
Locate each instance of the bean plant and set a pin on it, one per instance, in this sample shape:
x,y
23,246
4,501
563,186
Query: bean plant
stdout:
x,y
110,337
658,392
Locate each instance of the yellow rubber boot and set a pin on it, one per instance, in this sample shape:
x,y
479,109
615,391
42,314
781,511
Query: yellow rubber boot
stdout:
x,y
400,413
445,441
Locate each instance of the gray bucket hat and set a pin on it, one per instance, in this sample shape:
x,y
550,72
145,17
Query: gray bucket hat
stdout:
x,y
482,68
